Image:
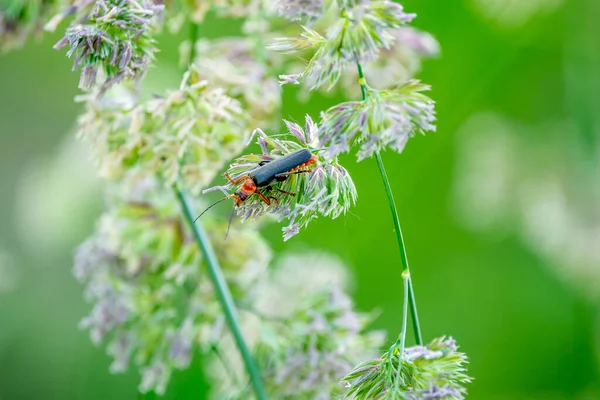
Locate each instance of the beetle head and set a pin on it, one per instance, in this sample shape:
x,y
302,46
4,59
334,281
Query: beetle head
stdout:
x,y
247,189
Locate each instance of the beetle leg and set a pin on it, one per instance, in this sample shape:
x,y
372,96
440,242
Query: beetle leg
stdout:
x,y
286,192
263,198
238,180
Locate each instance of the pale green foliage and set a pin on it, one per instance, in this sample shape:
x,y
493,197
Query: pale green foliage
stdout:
x,y
153,301
112,36
435,371
387,118
186,136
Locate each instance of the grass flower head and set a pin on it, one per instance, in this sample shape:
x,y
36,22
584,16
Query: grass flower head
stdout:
x,y
110,38
187,135
387,118
435,371
363,30
322,187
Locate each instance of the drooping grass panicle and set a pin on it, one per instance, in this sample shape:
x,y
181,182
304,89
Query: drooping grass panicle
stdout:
x,y
110,39
386,119
435,371
322,188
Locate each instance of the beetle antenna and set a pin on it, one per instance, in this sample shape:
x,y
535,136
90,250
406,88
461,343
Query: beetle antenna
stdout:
x,y
229,224
209,207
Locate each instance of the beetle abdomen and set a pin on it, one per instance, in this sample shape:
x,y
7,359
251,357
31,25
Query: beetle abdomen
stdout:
x,y
266,174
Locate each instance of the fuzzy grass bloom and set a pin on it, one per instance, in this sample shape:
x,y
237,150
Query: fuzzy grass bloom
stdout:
x,y
435,371
233,64
364,29
320,187
20,19
154,305
305,331
387,118
187,136
110,38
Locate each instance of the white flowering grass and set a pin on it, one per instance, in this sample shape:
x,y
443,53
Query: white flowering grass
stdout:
x,y
363,29
185,136
153,302
110,39
163,287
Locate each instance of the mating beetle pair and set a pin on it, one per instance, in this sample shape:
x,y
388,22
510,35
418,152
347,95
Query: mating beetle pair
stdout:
x,y
269,172
266,174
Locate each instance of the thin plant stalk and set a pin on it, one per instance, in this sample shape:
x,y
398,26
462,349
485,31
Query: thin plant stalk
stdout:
x,y
398,348
399,236
215,272
406,280
194,30
223,293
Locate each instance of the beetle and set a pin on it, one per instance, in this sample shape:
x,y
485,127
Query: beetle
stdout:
x,y
266,174
270,172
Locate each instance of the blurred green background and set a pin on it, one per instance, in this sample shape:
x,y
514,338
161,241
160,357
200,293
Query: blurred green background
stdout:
x,y
500,208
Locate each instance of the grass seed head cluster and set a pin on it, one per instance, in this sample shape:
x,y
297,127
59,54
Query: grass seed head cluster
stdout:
x,y
154,306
